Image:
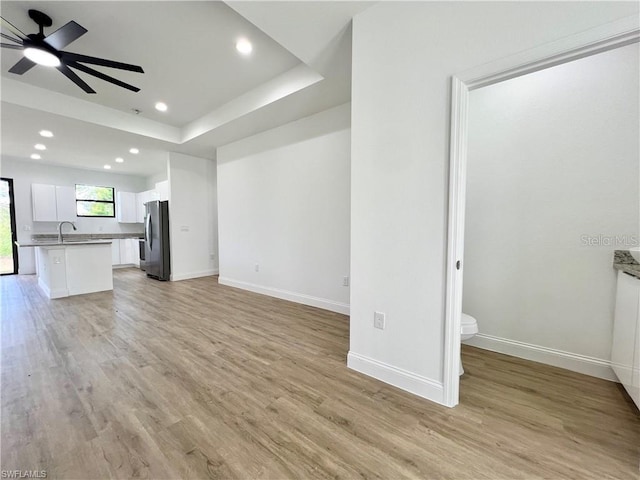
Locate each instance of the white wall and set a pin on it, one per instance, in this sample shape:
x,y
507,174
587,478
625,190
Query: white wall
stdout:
x,y
284,205
553,156
403,57
192,216
24,173
156,178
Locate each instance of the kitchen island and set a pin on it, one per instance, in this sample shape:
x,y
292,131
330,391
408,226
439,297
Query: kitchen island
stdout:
x,y
72,267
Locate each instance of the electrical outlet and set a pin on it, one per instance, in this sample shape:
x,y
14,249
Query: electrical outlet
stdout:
x,y
26,228
257,267
345,281
378,320
212,256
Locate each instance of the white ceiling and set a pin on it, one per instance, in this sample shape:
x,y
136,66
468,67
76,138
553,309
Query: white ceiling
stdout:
x,y
187,50
78,144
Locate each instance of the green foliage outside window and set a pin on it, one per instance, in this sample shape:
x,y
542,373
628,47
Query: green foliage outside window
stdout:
x,y
6,240
93,201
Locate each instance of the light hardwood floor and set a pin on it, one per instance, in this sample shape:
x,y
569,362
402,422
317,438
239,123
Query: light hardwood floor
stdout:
x,y
196,380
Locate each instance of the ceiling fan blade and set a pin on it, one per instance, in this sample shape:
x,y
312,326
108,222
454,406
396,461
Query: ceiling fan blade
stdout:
x,y
71,75
11,45
12,28
76,57
102,76
9,37
22,66
65,35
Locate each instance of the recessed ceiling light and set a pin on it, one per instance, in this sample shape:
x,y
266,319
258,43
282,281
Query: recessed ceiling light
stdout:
x,y
41,57
135,151
46,133
119,160
161,107
244,46
107,167
35,156
39,146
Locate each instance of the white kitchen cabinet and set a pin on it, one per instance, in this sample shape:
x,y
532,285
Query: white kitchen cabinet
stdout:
x,y
126,207
129,251
66,204
43,199
142,198
53,203
162,189
125,252
625,347
115,252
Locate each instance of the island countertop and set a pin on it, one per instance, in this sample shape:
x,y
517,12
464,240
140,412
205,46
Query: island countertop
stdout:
x,y
67,243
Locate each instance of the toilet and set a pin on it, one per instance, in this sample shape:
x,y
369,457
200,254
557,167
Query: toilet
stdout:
x,y
468,328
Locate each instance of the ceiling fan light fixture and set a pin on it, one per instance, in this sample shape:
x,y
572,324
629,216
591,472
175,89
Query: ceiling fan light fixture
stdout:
x,y
41,57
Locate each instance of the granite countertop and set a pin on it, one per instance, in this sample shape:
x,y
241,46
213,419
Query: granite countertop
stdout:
x,y
41,237
51,239
66,243
622,260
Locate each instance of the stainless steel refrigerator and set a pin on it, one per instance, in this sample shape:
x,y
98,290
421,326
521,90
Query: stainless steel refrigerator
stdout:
x,y
156,236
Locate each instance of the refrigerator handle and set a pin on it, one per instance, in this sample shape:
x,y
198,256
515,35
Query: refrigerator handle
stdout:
x,y
147,232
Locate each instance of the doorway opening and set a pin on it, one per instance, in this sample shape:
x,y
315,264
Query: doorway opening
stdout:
x,y
607,37
8,233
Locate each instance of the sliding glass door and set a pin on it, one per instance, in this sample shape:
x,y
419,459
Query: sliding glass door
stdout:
x,y
8,248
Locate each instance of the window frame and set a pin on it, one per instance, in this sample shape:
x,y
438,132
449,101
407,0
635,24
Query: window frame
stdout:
x,y
113,202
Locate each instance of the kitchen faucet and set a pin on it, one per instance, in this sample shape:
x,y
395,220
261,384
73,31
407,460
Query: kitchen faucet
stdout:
x,y
60,239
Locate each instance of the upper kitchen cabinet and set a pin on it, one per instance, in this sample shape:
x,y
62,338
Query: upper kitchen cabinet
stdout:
x,y
66,204
162,189
53,203
126,207
141,199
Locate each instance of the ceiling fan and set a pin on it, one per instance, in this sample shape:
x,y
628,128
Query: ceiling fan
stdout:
x,y
41,49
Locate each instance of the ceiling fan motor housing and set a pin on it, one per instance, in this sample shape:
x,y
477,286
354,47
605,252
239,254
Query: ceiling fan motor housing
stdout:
x,y
42,19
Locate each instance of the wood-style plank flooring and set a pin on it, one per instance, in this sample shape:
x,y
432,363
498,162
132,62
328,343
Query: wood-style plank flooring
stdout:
x,y
196,380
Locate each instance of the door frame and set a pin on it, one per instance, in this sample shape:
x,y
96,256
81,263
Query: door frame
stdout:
x,y
14,232
606,37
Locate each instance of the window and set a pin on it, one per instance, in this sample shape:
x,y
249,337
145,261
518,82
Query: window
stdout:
x,y
92,201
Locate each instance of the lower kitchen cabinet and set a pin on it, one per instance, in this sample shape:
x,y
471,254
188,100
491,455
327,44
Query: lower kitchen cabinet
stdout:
x,y
625,348
125,252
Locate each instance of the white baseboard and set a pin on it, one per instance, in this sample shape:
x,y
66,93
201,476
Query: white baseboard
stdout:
x,y
187,276
287,295
403,379
549,356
